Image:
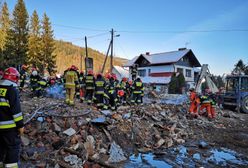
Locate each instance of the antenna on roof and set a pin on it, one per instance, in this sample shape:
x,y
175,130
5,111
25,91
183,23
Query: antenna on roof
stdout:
x,y
187,43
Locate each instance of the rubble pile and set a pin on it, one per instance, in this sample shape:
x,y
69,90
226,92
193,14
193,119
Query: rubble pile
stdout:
x,y
57,134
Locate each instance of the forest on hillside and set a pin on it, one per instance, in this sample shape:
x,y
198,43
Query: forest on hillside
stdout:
x,y
68,54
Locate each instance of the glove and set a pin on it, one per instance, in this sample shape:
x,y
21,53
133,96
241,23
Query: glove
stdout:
x,y
21,131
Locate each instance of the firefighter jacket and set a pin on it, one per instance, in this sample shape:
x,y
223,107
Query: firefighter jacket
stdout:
x,y
204,99
81,78
123,85
138,87
89,82
34,79
111,87
23,75
42,83
212,99
10,110
100,85
71,79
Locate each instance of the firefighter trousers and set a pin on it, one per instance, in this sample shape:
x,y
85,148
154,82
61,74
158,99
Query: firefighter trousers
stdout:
x,y
70,92
99,100
10,143
137,98
89,95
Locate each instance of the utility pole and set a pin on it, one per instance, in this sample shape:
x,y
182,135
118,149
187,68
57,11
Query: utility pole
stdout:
x,y
86,54
112,50
105,60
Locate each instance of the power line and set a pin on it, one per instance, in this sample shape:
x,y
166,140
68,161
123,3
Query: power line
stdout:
x,y
80,28
183,31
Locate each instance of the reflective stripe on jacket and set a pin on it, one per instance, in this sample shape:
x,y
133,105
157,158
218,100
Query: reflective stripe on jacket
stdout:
x,y
10,110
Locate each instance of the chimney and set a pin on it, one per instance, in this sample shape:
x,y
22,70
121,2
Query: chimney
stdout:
x,y
180,49
147,53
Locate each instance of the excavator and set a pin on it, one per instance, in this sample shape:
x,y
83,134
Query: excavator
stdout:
x,y
236,89
236,95
205,76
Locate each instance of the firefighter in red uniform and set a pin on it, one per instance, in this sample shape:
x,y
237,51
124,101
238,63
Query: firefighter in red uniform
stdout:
x,y
194,102
11,119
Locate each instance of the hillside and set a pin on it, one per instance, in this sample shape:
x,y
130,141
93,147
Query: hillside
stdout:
x,y
69,54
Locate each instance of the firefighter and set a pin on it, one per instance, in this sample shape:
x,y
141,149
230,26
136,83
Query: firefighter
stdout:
x,y
194,102
82,85
100,85
23,76
129,90
123,87
11,119
205,104
42,84
137,90
134,71
34,78
89,86
213,103
111,91
71,80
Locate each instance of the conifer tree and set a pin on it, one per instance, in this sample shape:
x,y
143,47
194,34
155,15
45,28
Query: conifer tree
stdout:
x,y
17,42
48,45
34,43
4,25
4,28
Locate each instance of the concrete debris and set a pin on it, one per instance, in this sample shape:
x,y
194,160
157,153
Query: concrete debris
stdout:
x,y
105,137
116,153
25,140
69,132
74,161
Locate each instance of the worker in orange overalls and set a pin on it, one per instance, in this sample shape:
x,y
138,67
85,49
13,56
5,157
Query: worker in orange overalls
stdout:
x,y
194,102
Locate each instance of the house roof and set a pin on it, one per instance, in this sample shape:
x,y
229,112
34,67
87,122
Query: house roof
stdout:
x,y
123,72
165,58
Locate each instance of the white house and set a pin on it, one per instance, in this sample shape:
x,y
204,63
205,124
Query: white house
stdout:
x,y
120,72
158,68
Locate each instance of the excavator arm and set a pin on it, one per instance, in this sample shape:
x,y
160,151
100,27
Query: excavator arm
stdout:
x,y
205,76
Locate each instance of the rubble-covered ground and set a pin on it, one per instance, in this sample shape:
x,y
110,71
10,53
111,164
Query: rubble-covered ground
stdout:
x,y
152,135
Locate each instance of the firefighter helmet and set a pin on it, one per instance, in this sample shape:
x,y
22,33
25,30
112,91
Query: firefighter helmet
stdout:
x,y
107,75
124,79
34,73
120,93
73,67
90,72
11,74
114,76
99,75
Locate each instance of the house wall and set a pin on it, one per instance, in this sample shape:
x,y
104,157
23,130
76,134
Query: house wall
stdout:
x,y
184,69
155,69
118,75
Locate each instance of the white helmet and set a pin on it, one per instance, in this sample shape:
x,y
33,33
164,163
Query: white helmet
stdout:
x,y
34,73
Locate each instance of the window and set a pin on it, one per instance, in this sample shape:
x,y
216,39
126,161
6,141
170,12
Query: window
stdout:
x,y
149,72
244,83
180,70
232,84
142,73
188,73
